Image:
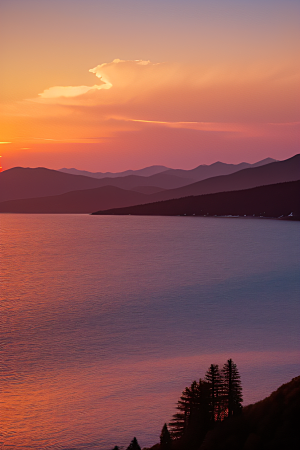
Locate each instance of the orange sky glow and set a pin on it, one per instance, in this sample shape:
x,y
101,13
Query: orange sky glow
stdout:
x,y
177,92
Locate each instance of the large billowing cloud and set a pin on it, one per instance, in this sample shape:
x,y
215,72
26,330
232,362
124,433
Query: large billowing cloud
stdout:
x,y
144,91
131,102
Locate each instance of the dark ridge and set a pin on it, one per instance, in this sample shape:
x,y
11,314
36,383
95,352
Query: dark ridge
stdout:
x,y
274,200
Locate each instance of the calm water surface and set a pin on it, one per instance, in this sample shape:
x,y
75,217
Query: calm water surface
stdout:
x,y
105,320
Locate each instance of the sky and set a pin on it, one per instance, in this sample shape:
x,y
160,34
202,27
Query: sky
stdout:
x,y
125,84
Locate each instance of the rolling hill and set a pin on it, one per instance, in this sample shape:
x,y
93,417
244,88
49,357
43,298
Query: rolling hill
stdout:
x,y
21,183
75,202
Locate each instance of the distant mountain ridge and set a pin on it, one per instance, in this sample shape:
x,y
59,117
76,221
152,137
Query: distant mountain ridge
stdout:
x,y
145,172
197,174
21,183
216,169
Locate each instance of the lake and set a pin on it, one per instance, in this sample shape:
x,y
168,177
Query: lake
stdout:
x,y
106,319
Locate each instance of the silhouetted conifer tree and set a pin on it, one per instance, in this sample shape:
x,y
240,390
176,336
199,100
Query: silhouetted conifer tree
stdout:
x,y
232,394
165,438
192,421
180,420
134,445
214,378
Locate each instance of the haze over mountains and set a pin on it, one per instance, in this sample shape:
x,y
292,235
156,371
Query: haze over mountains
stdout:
x,y
197,174
43,190
20,183
146,172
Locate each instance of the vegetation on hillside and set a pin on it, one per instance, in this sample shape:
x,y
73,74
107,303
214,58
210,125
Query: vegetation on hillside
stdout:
x,y
210,416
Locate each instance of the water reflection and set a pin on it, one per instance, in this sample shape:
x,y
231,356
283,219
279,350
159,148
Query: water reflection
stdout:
x,y
106,320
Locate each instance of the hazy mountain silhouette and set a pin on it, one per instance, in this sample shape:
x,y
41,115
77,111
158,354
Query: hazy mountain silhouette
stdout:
x,y
147,189
79,202
274,200
146,172
199,173
216,169
275,172
22,182
19,182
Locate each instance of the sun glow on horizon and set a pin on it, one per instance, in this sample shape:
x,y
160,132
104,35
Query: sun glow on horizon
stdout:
x,y
197,102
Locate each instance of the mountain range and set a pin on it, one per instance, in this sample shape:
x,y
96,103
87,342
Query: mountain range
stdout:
x,y
145,172
197,174
43,190
21,183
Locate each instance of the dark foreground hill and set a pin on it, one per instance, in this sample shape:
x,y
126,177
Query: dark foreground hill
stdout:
x,y
271,424
274,200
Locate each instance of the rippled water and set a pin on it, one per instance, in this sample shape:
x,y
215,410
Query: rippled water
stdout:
x,y
105,320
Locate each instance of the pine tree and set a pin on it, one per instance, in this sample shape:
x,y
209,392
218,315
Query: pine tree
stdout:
x,y
165,438
232,389
191,423
180,420
134,445
214,378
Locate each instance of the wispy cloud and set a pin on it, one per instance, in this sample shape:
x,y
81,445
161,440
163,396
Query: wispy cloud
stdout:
x,y
70,91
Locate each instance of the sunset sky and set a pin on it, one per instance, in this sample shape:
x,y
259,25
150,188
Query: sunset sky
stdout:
x,y
124,84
